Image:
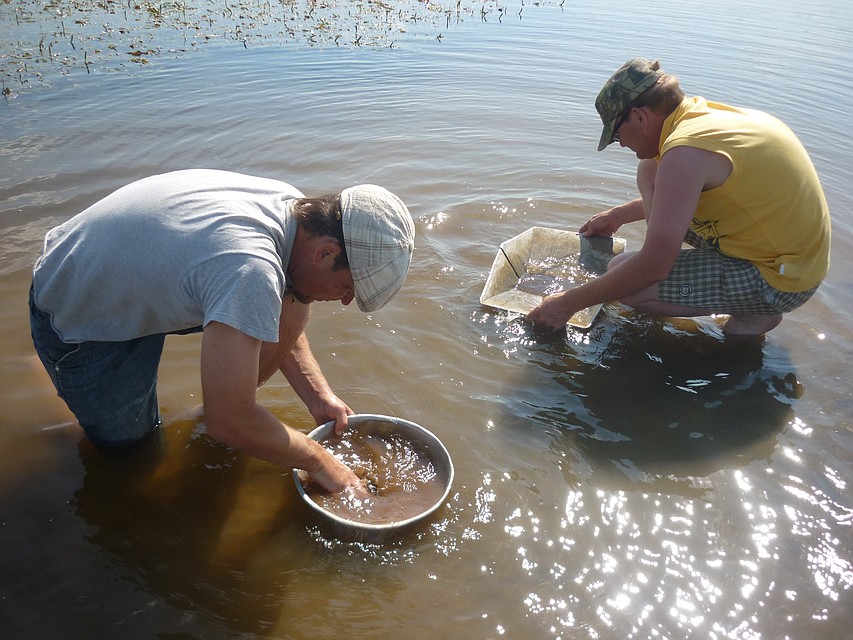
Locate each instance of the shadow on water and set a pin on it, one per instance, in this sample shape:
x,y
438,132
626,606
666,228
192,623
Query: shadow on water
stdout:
x,y
220,536
660,401
185,522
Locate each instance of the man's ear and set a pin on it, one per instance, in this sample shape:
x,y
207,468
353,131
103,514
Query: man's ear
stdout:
x,y
326,248
644,115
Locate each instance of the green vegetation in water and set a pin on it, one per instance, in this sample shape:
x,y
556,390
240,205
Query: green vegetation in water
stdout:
x,y
41,39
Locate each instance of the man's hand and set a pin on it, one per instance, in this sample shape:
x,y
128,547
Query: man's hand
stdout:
x,y
601,224
553,312
331,407
608,222
330,473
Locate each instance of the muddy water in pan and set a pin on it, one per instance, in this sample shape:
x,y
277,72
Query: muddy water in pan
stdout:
x,y
400,480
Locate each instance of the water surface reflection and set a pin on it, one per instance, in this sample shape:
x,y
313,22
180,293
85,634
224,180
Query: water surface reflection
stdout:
x,y
641,479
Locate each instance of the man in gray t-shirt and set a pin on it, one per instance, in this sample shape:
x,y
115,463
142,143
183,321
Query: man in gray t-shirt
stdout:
x,y
237,257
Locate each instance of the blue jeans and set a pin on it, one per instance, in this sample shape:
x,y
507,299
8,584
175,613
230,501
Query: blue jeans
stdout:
x,y
111,387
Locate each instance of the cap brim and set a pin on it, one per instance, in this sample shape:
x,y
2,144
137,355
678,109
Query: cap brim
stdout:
x,y
606,136
375,286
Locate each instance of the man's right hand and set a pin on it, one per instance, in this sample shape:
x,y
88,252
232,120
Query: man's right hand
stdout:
x,y
601,224
332,474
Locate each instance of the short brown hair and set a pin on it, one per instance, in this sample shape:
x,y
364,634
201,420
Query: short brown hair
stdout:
x,y
321,216
662,97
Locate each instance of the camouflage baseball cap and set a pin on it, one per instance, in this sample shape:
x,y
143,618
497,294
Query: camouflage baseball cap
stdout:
x,y
630,81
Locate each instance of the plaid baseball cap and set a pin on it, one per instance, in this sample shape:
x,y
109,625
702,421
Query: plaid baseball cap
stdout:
x,y
629,82
379,235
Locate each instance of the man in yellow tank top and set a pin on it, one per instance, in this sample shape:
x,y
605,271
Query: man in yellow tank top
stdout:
x,y
735,184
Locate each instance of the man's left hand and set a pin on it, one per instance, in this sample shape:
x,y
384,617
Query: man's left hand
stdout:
x,y
553,312
331,407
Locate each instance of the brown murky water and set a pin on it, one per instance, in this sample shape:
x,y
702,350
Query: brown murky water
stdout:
x,y
640,479
399,476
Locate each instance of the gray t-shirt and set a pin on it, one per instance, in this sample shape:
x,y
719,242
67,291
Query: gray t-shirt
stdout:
x,y
169,253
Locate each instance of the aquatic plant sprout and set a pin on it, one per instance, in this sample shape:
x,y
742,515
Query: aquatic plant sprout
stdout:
x,y
42,39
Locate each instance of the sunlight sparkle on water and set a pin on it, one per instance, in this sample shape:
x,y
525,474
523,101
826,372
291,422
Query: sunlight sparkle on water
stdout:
x,y
434,220
801,427
503,209
483,499
574,506
790,453
743,481
620,602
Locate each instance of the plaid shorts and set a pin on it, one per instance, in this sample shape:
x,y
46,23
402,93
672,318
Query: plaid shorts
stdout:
x,y
706,279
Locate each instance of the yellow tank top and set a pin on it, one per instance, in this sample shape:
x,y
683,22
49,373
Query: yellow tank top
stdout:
x,y
771,210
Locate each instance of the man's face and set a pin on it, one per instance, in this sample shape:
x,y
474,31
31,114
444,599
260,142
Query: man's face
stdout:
x,y
319,282
637,134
